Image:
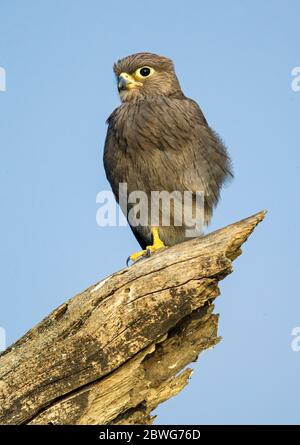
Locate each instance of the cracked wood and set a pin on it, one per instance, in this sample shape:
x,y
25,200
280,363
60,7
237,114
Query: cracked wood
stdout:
x,y
112,353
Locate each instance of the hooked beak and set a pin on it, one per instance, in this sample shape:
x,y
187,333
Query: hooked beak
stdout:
x,y
127,82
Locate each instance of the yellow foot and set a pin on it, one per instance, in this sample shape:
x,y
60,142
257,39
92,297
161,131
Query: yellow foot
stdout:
x,y
157,245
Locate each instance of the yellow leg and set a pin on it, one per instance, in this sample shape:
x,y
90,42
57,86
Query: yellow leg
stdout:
x,y
157,244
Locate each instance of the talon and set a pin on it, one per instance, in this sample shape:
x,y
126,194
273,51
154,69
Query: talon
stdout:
x,y
157,245
136,256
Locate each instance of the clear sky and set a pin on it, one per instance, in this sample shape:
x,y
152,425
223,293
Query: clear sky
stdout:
x,y
235,59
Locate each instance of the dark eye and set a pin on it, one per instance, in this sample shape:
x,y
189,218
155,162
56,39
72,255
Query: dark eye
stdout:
x,y
145,71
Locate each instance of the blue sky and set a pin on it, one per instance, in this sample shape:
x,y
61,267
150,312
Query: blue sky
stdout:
x,y
235,59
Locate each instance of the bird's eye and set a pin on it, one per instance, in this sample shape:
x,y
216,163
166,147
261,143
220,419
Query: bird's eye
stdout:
x,y
143,72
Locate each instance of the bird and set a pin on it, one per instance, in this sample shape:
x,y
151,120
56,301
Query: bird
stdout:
x,y
159,140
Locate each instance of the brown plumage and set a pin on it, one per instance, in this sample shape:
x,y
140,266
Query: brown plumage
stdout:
x,y
158,139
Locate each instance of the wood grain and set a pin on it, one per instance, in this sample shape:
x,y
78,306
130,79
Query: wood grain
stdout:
x,y
112,353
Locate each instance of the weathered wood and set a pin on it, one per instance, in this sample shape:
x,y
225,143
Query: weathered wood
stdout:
x,y
111,354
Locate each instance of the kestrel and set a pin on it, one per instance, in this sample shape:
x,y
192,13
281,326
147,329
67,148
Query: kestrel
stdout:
x,y
159,140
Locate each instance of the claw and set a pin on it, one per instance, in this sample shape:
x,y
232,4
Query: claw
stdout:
x,y
137,256
156,246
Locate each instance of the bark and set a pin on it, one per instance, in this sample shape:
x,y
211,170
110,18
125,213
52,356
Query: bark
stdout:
x,y
112,353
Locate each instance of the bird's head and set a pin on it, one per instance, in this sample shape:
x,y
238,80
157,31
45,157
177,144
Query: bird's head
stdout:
x,y
143,75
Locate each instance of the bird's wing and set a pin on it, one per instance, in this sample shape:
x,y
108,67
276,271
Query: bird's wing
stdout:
x,y
191,155
166,144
